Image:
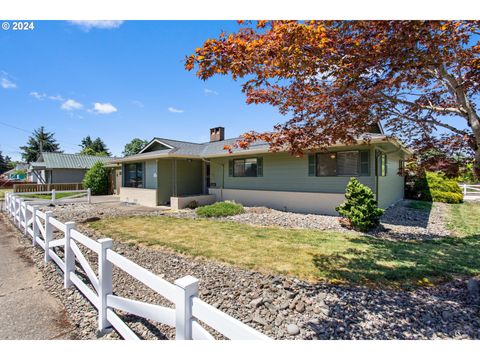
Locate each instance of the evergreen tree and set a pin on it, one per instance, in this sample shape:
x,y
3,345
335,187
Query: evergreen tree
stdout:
x,y
94,147
5,163
360,208
39,141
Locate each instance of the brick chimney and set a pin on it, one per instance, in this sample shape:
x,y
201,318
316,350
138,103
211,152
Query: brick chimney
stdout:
x,y
217,134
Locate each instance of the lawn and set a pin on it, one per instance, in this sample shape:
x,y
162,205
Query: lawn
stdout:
x,y
311,254
3,191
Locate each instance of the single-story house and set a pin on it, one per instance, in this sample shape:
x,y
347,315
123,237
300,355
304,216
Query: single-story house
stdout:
x,y
18,173
173,172
58,168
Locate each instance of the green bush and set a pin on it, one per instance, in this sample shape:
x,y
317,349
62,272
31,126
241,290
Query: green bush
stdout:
x,y
361,209
447,197
220,209
436,187
97,179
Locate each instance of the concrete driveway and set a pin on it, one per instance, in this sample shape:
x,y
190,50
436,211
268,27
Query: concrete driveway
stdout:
x,y
27,310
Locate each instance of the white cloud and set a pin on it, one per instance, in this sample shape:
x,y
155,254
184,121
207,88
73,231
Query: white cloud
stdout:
x,y
38,96
105,108
210,92
5,82
88,25
71,104
173,110
42,96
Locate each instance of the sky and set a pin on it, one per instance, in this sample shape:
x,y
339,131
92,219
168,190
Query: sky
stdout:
x,y
118,81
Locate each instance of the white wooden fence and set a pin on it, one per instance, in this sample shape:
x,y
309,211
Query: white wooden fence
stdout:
x,y
78,195
470,192
188,308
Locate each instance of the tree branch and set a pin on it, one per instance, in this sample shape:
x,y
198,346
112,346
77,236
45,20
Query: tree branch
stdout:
x,y
431,107
397,113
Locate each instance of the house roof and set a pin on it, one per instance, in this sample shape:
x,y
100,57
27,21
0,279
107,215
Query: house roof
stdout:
x,y
185,149
49,160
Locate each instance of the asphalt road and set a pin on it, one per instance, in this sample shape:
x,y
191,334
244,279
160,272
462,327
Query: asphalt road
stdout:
x,y
27,310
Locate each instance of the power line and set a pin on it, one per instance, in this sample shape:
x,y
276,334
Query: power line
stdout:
x,y
29,132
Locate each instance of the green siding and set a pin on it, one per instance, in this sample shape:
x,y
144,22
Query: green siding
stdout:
x,y
391,187
165,181
189,177
284,172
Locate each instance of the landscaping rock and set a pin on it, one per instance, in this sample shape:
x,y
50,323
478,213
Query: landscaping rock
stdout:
x,y
293,329
473,287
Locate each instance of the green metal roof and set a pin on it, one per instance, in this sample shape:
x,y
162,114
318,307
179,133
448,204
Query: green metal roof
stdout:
x,y
70,161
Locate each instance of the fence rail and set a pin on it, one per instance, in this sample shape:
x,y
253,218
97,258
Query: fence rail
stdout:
x,y
470,191
22,188
188,309
53,196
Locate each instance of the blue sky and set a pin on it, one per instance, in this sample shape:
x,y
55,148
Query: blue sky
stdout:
x,y
123,81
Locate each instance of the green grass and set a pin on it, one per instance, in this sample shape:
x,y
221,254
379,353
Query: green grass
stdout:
x,y
311,254
220,209
3,191
49,196
465,219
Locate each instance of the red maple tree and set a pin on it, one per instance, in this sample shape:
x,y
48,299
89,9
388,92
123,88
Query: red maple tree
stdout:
x,y
335,79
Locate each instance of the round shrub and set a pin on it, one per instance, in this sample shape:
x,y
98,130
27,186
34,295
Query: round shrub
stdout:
x,y
220,209
97,179
360,208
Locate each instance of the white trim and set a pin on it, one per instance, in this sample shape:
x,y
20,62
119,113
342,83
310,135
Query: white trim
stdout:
x,y
153,141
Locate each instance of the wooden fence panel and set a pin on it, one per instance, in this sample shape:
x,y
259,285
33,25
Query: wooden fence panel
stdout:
x,y
24,188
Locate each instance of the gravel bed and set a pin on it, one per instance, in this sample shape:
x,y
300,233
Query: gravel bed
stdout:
x,y
399,222
280,307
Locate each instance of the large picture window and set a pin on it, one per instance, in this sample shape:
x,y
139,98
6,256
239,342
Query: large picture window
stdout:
x,y
340,163
133,175
249,167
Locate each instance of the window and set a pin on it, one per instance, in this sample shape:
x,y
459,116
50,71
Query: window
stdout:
x,y
381,168
133,175
251,167
341,163
401,167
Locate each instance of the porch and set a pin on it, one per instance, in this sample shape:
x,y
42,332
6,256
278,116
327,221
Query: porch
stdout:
x,y
167,181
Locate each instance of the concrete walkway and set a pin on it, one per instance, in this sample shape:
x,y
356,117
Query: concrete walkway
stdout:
x,y
27,310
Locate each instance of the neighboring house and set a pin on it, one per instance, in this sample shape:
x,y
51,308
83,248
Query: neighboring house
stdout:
x,y
57,168
174,172
19,173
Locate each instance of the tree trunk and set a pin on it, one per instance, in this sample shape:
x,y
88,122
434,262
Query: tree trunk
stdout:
x,y
476,164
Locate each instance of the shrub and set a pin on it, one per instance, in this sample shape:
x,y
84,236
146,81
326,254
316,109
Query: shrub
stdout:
x,y
97,179
360,208
220,209
436,187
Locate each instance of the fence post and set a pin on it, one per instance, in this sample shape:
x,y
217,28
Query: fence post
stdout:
x,y
187,288
48,235
104,282
35,225
53,195
15,205
26,219
464,189
89,195
20,213
69,255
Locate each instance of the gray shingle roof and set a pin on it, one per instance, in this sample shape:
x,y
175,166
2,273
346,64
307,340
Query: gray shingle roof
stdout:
x,y
207,149
69,161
